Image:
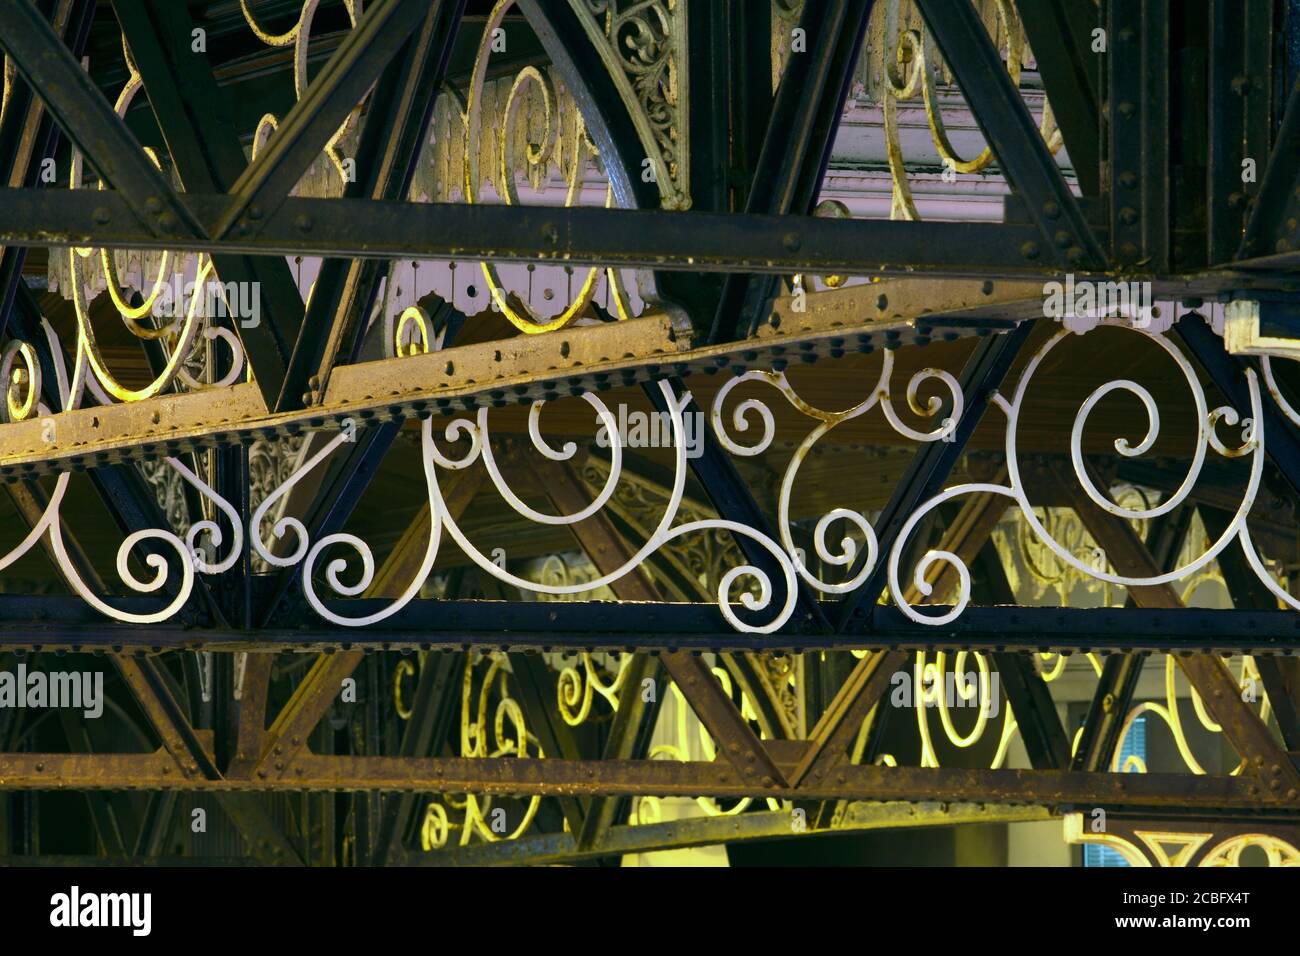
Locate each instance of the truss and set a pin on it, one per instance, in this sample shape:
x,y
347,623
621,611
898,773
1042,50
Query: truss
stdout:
x,y
730,285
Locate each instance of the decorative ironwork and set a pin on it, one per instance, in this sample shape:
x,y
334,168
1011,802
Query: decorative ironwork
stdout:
x,y
643,46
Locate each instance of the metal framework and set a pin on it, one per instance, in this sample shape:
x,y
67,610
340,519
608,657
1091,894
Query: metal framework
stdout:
x,y
709,132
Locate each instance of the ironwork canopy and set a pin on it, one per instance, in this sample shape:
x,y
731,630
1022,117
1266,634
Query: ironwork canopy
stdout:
x,y
519,414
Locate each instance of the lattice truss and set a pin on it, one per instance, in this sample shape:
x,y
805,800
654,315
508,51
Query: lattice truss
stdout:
x,y
577,429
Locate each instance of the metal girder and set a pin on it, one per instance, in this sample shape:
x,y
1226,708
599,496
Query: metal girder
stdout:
x,y
48,622
205,148
315,118
250,718
797,145
721,717
432,712
837,727
103,815
536,683
1274,222
1281,680
629,736
1278,675
1121,672
634,718
288,734
1138,126
147,198
520,370
608,120
263,838
1046,743
190,749
553,848
1231,95
28,137
1060,32
574,235
654,777
982,375
394,132
1267,760
1101,729
1045,740
155,826
746,669
1264,756
1064,235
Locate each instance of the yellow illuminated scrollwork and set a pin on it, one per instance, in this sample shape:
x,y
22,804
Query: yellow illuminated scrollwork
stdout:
x,y
1075,834
1277,852
576,690
434,829
22,385
404,670
1176,848
910,65
298,36
537,155
509,736
413,317
700,745
1169,712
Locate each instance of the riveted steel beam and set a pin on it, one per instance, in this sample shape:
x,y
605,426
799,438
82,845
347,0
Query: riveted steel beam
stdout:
x,y
518,370
576,235
653,777
1064,235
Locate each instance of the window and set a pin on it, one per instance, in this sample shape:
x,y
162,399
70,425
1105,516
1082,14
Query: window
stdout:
x,y
1134,744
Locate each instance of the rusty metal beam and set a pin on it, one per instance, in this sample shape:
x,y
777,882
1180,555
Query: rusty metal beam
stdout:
x,y
840,724
634,718
536,686
288,734
520,370
1121,672
721,717
654,777
250,720
190,749
1280,677
1267,759
560,848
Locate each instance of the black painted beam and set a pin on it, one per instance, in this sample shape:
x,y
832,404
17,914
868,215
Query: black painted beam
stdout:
x,y
984,372
1060,32
89,122
1065,237
797,145
395,130
1138,114
625,238
1274,222
339,87
204,144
